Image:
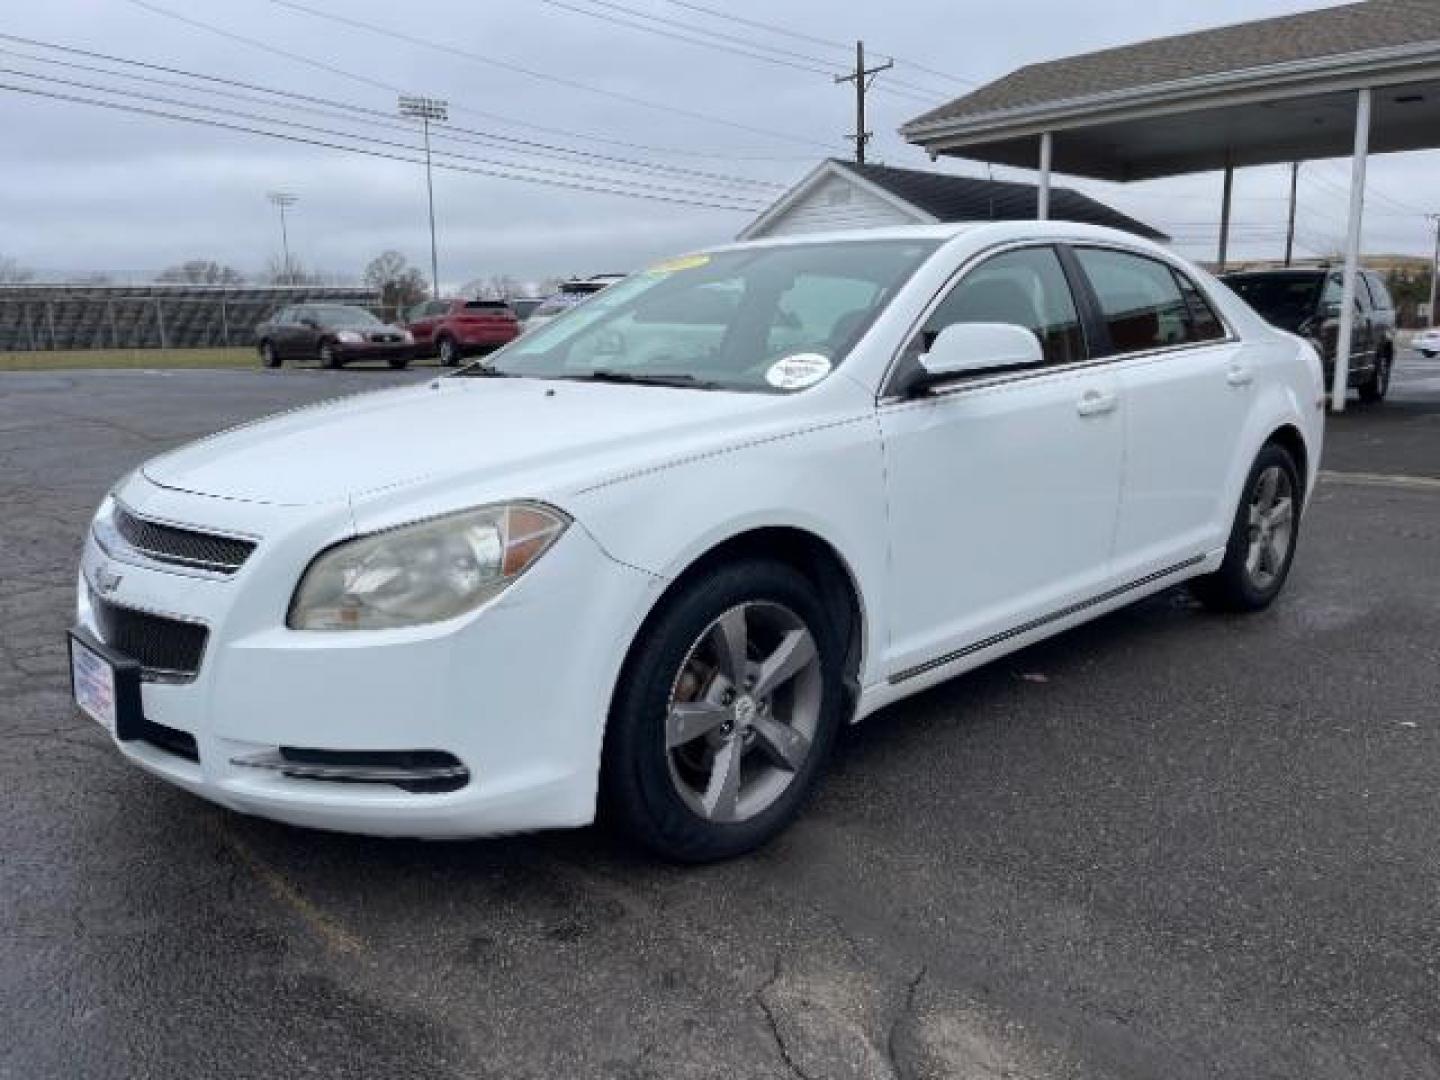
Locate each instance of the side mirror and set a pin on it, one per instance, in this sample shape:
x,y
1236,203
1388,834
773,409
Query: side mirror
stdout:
x,y
971,348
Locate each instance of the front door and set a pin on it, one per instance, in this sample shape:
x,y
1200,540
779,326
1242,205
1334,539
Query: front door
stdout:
x,y
1003,489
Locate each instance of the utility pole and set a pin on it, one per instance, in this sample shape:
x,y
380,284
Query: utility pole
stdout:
x,y
1290,229
1434,268
862,77
426,109
283,200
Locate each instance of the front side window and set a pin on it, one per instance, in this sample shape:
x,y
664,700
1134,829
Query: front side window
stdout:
x,y
1140,300
1026,288
765,318
336,315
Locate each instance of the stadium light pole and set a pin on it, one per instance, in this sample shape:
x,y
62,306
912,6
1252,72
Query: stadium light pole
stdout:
x,y
426,109
283,200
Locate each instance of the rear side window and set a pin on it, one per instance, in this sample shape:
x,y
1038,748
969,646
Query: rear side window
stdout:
x,y
1142,302
1026,287
1205,325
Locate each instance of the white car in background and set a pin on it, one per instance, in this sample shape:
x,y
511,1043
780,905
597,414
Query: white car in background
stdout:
x,y
569,295
650,558
1427,343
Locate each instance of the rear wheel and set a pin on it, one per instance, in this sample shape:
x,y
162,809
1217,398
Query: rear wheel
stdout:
x,y
1377,386
329,358
448,352
1262,538
268,356
725,715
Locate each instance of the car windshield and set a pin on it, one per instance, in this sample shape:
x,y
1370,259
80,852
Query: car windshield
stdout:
x,y
335,315
1285,298
766,319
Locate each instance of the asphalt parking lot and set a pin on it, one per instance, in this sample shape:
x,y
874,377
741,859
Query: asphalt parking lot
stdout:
x,y
1168,844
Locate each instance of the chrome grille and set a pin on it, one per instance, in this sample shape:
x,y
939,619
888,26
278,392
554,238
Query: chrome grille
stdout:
x,y
166,649
182,547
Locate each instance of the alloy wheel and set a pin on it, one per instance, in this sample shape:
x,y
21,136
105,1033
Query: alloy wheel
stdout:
x,y
1272,526
447,353
744,711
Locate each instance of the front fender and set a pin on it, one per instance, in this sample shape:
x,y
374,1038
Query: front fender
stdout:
x,y
663,521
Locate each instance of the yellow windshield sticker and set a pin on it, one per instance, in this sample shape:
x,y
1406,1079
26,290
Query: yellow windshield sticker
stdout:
x,y
685,262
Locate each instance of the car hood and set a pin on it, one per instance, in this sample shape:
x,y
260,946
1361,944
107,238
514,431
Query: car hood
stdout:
x,y
453,427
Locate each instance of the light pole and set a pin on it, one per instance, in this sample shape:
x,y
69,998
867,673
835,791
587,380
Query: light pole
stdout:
x,y
1434,269
426,109
283,200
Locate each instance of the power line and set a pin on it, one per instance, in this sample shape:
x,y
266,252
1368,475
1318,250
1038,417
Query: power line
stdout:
x,y
299,126
712,39
359,113
392,88
499,170
490,61
799,36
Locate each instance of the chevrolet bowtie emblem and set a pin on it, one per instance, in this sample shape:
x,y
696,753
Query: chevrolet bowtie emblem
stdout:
x,y
106,580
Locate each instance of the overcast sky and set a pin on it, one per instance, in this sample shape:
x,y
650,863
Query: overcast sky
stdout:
x,y
89,189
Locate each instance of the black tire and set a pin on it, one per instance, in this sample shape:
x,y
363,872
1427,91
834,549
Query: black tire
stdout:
x,y
327,356
1374,389
1234,587
400,363
638,792
448,352
268,356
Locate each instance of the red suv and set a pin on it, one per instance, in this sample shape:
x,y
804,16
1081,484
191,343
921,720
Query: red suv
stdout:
x,y
451,328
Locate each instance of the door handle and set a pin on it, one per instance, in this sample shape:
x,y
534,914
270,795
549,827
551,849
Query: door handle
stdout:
x,y
1096,403
1238,376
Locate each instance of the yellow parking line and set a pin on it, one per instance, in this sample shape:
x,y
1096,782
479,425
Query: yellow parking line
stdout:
x,y
331,932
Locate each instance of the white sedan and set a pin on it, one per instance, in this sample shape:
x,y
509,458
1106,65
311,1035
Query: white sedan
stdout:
x,y
647,560
1427,343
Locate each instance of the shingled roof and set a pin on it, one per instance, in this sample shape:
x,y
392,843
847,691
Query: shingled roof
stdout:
x,y
1309,35
947,197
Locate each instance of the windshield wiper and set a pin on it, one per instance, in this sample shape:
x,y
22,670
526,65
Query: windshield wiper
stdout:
x,y
635,378
481,369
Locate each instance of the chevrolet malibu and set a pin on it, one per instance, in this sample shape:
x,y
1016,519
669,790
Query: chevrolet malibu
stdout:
x,y
646,561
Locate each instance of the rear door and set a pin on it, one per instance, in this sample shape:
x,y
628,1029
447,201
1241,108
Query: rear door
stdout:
x,y
1002,489
1187,386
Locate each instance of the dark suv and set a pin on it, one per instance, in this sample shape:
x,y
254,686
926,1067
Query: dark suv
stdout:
x,y
331,335
1307,302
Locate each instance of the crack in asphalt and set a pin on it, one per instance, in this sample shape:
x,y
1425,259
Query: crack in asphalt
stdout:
x,y
907,1010
773,1021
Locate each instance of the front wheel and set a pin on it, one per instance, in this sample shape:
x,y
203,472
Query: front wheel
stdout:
x,y
725,715
1377,386
268,356
1262,538
329,358
448,352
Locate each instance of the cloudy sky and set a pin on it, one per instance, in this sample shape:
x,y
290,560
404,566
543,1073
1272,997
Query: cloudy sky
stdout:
x,y
92,189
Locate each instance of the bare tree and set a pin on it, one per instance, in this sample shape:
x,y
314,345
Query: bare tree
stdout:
x,y
202,272
12,273
279,272
400,285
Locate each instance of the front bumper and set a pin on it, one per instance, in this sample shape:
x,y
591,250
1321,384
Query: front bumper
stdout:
x,y
373,351
509,691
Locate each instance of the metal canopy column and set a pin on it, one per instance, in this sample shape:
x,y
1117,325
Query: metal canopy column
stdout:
x,y
1341,379
1224,253
1042,204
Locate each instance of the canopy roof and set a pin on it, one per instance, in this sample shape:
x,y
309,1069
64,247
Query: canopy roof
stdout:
x,y
1255,93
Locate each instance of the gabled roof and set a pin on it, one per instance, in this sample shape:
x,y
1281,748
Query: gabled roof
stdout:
x,y
1288,39
946,197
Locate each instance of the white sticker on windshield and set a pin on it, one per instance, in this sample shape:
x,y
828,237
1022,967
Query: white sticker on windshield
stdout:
x,y
798,371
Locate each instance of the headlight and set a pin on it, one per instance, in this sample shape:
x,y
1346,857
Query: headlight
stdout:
x,y
350,337
426,572
407,337
102,526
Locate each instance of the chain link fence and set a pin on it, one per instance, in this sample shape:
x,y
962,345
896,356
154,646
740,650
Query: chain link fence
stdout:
x,y
42,318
